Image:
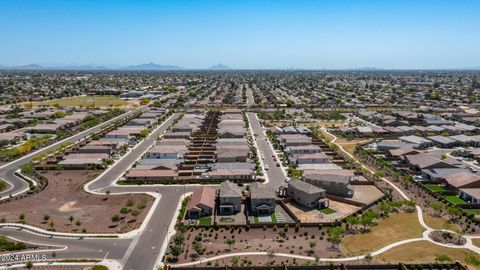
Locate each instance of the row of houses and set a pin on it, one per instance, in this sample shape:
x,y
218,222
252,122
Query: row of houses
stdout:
x,y
96,153
418,142
406,130
180,153
228,199
14,130
317,168
438,166
162,160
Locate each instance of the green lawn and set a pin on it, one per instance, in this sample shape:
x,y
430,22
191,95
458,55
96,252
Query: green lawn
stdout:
x,y
3,185
205,221
435,188
455,200
86,101
273,217
327,211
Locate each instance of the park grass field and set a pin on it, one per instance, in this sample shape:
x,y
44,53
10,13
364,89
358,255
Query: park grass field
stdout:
x,y
85,101
396,227
476,242
440,223
426,252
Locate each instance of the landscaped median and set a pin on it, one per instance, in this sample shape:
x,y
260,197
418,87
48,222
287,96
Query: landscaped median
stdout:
x,y
396,227
3,185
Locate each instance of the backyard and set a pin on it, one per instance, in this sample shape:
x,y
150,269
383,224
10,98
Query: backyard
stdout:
x,y
435,187
455,199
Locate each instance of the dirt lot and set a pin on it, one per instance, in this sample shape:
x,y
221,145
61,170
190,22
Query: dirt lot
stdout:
x,y
313,215
307,241
64,198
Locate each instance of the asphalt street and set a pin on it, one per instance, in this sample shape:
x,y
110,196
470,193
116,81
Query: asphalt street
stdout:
x,y
119,167
100,248
275,173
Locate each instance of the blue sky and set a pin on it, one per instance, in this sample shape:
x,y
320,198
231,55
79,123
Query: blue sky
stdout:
x,y
243,34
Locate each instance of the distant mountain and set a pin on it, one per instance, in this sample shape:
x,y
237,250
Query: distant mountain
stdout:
x,y
219,67
153,66
29,67
80,67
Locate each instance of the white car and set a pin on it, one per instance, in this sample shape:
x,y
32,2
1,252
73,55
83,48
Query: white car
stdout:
x,y
266,167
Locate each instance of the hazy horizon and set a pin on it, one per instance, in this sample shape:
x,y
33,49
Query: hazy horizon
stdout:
x,y
243,34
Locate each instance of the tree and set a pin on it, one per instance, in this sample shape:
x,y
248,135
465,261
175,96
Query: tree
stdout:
x,y
29,265
115,218
352,221
144,101
334,235
46,217
230,242
176,250
197,246
71,219
438,208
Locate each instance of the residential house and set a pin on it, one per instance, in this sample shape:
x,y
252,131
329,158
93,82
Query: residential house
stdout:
x,y
306,194
229,198
335,182
262,199
202,202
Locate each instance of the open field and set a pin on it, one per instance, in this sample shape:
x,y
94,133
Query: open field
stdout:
x,y
349,145
440,223
64,197
85,101
424,252
327,136
396,227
